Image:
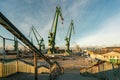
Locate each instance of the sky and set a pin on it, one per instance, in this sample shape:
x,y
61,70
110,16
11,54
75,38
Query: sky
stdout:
x,y
96,22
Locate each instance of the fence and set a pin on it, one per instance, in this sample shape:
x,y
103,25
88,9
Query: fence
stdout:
x,y
12,67
12,47
103,70
9,68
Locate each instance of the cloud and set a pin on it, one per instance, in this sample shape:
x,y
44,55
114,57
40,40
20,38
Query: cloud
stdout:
x,y
29,1
75,7
40,13
108,35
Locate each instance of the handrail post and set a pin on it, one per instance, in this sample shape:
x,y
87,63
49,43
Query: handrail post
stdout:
x,y
3,49
16,46
35,66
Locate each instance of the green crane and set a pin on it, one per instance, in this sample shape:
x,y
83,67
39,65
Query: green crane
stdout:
x,y
68,36
41,41
52,33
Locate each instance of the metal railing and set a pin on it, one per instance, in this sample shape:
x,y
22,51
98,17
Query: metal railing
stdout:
x,y
103,70
55,71
11,28
7,49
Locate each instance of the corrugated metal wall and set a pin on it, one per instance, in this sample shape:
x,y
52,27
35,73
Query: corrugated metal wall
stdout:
x,y
9,68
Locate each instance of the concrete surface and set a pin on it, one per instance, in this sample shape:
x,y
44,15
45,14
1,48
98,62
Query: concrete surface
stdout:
x,y
68,75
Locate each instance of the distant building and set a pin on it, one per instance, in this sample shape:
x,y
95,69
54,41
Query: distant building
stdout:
x,y
109,49
111,55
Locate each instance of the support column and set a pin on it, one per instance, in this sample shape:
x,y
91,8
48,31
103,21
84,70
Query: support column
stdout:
x,y
3,49
35,66
16,46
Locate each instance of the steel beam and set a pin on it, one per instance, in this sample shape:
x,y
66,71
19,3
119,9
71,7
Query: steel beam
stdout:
x,y
11,28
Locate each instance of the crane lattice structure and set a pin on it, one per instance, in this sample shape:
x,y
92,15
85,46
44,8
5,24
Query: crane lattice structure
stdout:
x,y
68,36
52,33
40,41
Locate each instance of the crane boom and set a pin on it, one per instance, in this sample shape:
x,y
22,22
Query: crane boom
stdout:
x,y
35,34
40,42
68,36
52,33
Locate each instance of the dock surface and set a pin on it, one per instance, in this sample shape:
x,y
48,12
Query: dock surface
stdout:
x,y
68,75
